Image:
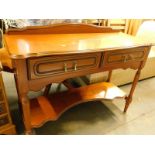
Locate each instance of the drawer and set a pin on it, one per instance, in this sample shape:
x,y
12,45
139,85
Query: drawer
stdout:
x,y
119,56
124,58
2,108
4,120
60,65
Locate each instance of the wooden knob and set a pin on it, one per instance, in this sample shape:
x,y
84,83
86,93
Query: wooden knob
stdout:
x,y
125,58
1,68
65,67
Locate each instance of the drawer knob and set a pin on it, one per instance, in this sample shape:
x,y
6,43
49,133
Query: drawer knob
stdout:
x,y
65,67
125,57
1,68
75,66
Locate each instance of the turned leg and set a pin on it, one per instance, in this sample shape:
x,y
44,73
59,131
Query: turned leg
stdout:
x,y
24,107
129,97
19,102
26,113
47,89
22,85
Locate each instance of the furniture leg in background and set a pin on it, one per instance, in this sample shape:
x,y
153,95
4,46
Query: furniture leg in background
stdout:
x,y
47,89
109,76
6,125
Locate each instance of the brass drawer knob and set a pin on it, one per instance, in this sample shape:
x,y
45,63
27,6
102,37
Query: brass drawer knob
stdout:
x,y
75,66
1,68
125,57
65,67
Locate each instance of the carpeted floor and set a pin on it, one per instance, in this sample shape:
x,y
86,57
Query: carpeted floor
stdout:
x,y
94,118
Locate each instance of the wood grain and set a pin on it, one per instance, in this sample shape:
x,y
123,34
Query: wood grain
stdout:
x,y
67,41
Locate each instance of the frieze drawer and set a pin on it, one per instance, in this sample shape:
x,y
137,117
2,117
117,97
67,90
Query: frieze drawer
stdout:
x,y
124,56
54,65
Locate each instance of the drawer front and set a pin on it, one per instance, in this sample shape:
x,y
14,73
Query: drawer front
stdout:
x,y
124,57
59,65
4,120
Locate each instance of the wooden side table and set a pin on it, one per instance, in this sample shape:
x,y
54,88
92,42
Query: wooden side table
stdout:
x,y
6,126
43,55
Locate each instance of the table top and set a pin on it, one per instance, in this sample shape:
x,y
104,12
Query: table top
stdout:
x,y
27,45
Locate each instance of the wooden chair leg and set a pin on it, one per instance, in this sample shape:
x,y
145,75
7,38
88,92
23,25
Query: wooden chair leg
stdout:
x,y
47,89
67,84
109,76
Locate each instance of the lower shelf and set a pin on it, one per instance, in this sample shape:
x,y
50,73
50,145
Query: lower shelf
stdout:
x,y
44,109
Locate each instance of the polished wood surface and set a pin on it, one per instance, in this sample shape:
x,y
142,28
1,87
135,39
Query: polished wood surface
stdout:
x,y
48,108
41,56
23,46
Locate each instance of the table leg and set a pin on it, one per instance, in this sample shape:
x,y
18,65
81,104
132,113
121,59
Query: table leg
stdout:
x,y
129,97
26,113
23,89
24,107
19,102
